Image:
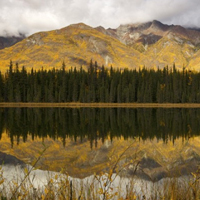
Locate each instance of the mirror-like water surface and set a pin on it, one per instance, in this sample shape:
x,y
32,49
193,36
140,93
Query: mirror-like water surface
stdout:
x,y
160,142
99,123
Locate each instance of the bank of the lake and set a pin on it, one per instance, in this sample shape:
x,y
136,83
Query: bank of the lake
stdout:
x,y
99,105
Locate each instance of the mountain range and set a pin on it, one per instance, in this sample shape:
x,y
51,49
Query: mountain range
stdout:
x,y
150,44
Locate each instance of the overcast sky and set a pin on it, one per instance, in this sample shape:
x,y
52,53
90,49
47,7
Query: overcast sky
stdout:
x,y
30,16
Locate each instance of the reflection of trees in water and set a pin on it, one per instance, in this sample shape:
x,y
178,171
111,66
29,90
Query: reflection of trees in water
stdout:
x,y
99,123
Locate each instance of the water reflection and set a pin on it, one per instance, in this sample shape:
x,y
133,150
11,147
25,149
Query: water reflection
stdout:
x,y
96,124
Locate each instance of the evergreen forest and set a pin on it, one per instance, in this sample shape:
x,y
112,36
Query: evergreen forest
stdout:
x,y
100,84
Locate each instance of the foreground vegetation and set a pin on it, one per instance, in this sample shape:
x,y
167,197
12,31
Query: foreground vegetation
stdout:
x,y
24,184
98,187
99,84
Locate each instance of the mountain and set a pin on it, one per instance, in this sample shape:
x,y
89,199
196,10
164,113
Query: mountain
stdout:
x,y
151,44
10,41
162,44
76,45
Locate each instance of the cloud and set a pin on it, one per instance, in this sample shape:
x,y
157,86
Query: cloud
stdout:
x,y
30,16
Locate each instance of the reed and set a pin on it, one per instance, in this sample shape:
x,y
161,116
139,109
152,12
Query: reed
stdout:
x,y
103,186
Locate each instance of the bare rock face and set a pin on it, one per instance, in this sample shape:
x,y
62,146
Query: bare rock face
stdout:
x,y
36,39
151,32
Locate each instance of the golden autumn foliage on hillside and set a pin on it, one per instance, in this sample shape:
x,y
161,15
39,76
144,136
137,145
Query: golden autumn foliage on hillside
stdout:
x,y
152,45
76,45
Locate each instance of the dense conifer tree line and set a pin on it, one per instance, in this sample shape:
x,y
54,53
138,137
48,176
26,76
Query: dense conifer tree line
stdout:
x,y
99,84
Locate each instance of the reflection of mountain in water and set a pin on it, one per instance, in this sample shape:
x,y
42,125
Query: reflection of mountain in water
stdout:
x,y
88,140
150,160
6,159
38,180
99,123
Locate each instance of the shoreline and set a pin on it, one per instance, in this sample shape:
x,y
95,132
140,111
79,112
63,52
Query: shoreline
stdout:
x,y
99,105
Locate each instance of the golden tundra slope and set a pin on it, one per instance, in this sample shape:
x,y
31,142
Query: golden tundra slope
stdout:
x,y
76,45
151,44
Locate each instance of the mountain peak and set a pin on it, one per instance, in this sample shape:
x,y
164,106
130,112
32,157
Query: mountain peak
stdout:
x,y
158,25
146,28
80,26
101,29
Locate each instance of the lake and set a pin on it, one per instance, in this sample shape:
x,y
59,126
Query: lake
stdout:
x,y
147,143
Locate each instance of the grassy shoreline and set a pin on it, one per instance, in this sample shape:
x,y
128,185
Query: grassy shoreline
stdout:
x,y
101,105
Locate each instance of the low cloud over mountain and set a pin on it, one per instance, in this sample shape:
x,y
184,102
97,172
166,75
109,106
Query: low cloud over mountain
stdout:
x,y
31,16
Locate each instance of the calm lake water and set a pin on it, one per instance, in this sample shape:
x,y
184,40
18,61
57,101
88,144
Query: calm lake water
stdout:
x,y
83,141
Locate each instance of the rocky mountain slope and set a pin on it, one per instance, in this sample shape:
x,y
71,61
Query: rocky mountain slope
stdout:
x,y
151,44
161,44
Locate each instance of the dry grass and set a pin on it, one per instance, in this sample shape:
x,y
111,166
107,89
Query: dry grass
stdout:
x,y
98,187
103,186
